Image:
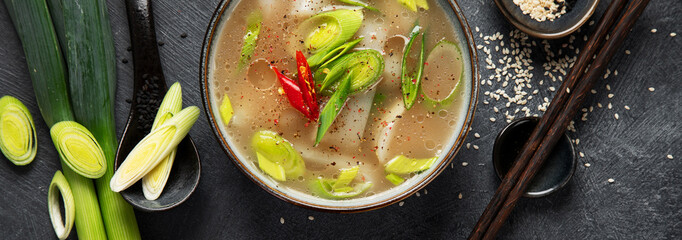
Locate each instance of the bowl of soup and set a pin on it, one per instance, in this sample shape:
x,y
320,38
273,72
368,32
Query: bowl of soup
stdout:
x,y
340,107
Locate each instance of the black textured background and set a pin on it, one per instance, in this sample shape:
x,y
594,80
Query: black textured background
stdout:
x,y
644,202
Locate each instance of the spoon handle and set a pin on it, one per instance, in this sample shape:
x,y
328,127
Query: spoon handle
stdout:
x,y
150,84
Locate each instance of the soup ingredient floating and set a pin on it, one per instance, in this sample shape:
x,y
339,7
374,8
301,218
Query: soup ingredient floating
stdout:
x,y
226,110
154,148
363,67
359,4
412,81
277,157
438,67
18,140
339,188
333,108
328,30
79,149
59,186
414,5
254,23
154,182
403,165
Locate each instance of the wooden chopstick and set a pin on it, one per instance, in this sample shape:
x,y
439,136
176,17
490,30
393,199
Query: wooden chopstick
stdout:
x,y
614,9
572,96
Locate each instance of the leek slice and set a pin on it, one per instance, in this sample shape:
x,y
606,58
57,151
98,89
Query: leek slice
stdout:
x,y
359,4
18,141
323,188
253,25
345,177
320,60
153,149
79,149
403,165
226,110
154,182
275,153
332,109
445,52
414,5
411,82
363,67
395,179
328,30
59,184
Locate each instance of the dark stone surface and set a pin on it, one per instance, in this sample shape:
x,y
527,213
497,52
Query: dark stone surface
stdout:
x,y
644,202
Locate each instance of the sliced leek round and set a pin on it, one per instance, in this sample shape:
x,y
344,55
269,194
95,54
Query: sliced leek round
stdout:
x,y
330,29
153,148
226,110
79,149
18,141
445,70
154,182
323,188
274,152
405,165
59,186
364,67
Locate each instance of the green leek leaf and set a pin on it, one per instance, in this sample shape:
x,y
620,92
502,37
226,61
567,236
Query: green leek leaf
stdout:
x,y
59,186
395,179
226,110
18,141
411,82
153,148
404,165
359,4
414,5
79,149
364,68
345,177
320,60
333,107
274,152
154,182
328,30
323,188
253,25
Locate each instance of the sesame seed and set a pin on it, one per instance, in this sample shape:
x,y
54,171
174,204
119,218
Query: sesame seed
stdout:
x,y
418,195
588,164
651,89
611,180
599,105
492,119
311,218
464,164
401,204
616,116
627,52
608,87
477,135
654,30
672,34
476,147
582,154
593,91
670,156
610,95
459,196
281,220
610,106
468,145
626,107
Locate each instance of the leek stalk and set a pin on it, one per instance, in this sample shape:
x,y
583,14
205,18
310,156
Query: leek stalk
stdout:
x,y
395,179
59,185
339,188
414,5
154,182
86,38
359,4
277,156
79,149
444,52
18,141
363,67
319,60
153,148
33,24
405,165
332,109
412,81
329,30
253,24
226,110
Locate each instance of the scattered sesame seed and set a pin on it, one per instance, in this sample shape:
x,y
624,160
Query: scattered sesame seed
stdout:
x,y
626,107
468,145
426,191
588,164
653,30
281,220
599,105
610,106
311,218
459,196
670,156
611,180
418,195
464,164
478,29
492,119
401,204
582,154
616,116
627,52
651,89
476,147
608,87
672,34
477,135
593,91
610,95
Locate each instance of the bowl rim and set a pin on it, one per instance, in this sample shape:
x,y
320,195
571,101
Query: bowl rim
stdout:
x,y
211,32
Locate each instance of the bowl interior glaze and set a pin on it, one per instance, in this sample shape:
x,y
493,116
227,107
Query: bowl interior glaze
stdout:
x,y
382,199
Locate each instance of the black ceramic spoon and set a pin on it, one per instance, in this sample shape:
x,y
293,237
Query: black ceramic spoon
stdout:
x,y
149,90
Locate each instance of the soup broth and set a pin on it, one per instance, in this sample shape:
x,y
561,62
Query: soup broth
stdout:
x,y
374,125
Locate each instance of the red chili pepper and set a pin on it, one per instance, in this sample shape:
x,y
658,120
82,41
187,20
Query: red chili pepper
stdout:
x,y
306,83
293,92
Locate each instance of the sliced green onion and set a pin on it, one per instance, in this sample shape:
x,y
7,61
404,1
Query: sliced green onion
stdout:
x,y
154,182
226,110
253,24
345,177
79,149
153,148
411,82
395,179
364,67
414,5
18,141
445,52
59,186
403,165
332,109
320,60
323,188
359,4
328,30
276,154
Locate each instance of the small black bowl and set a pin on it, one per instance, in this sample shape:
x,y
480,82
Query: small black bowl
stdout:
x,y
557,169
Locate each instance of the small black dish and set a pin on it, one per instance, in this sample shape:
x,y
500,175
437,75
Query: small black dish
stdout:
x,y
557,169
577,14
